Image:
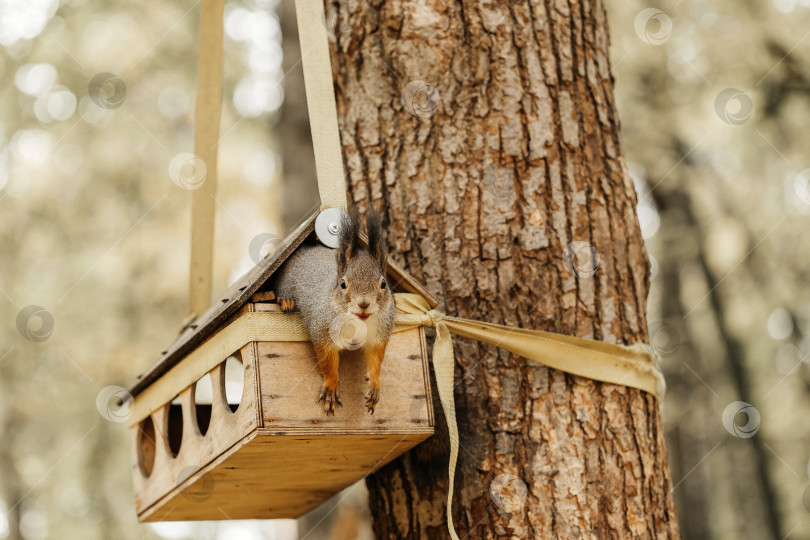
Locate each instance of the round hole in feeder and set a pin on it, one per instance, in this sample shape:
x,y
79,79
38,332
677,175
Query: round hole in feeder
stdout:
x,y
174,426
203,399
234,381
146,446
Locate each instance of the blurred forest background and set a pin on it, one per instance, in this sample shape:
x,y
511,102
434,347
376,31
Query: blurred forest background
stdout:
x,y
96,101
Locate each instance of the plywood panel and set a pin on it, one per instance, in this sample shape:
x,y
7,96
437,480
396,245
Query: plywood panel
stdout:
x,y
210,321
291,383
225,430
278,455
270,476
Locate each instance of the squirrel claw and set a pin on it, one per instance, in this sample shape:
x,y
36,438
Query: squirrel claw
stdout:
x,y
330,400
372,398
287,304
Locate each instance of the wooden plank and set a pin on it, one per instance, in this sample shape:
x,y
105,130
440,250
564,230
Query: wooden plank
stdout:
x,y
266,308
225,429
426,376
291,384
270,477
264,296
271,398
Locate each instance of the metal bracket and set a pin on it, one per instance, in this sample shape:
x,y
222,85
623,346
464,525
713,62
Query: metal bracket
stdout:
x,y
327,226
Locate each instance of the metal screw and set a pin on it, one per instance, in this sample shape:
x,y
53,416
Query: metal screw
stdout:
x,y
333,227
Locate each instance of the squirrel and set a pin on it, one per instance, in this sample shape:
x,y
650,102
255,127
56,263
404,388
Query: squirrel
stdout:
x,y
345,302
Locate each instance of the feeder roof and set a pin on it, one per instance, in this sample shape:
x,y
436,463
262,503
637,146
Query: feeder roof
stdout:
x,y
218,314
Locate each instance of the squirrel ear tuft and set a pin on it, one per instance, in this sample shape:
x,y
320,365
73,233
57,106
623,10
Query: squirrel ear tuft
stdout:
x,y
376,237
349,237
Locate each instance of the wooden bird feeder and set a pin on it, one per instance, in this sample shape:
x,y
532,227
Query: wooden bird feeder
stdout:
x,y
267,451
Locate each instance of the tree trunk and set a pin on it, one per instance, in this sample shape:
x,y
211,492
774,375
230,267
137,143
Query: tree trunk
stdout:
x,y
688,444
487,134
760,461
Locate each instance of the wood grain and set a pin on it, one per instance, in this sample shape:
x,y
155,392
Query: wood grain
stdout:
x,y
267,476
290,385
244,291
278,455
263,296
218,314
225,429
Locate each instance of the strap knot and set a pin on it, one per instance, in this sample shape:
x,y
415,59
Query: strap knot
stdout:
x,y
629,366
431,318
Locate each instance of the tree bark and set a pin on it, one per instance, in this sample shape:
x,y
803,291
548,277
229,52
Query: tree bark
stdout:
x,y
485,178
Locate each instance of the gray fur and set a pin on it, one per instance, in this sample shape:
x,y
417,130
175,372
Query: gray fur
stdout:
x,y
310,277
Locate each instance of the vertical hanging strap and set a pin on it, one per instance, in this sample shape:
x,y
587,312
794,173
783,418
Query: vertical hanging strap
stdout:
x,y
322,119
206,139
321,103
444,368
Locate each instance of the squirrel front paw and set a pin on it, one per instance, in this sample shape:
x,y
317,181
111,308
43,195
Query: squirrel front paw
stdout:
x,y
287,304
330,400
372,397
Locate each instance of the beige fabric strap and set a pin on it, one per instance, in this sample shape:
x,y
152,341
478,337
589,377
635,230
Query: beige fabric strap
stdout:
x,y
322,118
321,103
628,366
206,137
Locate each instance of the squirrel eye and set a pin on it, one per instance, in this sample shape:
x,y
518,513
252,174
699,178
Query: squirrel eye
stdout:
x,y
342,283
383,284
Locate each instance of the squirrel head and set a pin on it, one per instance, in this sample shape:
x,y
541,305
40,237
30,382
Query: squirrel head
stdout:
x,y
361,287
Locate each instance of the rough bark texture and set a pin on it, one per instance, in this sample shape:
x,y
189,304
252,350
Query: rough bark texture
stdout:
x,y
482,194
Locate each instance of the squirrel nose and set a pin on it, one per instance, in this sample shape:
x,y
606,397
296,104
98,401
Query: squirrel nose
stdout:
x,y
363,304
